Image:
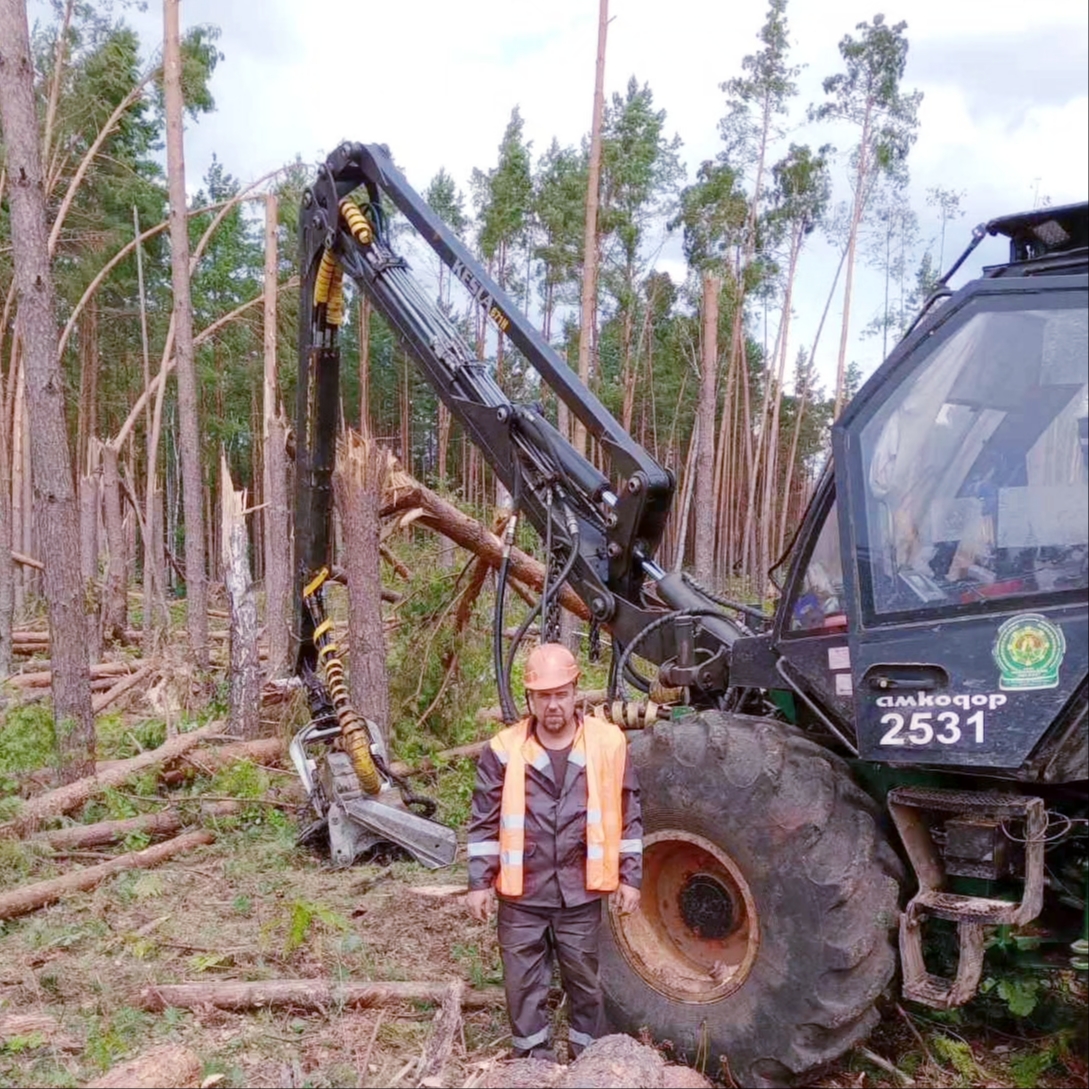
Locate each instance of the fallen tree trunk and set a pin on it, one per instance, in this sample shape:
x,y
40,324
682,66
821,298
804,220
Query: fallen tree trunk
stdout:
x,y
100,703
307,994
444,1032
265,750
406,493
168,1067
31,897
163,823
273,750
66,798
43,678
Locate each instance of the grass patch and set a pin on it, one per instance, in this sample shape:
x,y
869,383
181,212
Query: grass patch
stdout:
x,y
28,742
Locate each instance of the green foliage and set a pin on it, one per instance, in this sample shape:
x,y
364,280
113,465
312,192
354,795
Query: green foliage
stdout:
x,y
16,862
241,779
867,94
303,915
761,94
1028,1067
958,1054
27,743
482,970
16,1045
713,213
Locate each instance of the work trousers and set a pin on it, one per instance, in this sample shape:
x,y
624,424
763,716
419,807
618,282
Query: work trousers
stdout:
x,y
528,938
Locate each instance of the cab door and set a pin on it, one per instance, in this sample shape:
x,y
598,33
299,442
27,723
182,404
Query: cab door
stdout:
x,y
963,495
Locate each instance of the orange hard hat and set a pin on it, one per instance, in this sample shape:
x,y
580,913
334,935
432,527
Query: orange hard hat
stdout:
x,y
551,665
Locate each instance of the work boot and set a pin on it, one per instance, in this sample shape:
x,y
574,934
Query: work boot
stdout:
x,y
544,1054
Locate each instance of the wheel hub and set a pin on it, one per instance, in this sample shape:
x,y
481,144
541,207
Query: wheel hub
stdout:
x,y
696,934
706,907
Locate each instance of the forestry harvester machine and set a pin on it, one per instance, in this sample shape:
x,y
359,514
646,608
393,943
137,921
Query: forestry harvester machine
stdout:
x,y
873,778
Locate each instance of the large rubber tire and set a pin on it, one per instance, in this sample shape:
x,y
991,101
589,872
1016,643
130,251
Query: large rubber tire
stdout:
x,y
770,898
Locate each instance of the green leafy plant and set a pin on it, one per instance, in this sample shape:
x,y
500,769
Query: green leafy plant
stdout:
x,y
302,915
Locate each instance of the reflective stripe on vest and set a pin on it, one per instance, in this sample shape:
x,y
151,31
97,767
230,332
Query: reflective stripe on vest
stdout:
x,y
601,747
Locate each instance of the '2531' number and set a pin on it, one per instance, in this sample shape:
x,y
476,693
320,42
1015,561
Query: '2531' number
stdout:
x,y
945,727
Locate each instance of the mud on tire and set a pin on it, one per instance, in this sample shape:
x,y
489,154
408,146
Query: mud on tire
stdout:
x,y
769,901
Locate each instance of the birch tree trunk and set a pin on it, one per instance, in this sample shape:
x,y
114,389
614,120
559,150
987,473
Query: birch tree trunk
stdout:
x,y
589,238
54,486
704,491
196,587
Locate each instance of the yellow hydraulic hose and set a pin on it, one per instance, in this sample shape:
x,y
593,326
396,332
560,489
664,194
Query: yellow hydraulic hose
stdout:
x,y
353,726
357,222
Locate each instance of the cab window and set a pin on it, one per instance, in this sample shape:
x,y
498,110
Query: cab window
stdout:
x,y
975,471
819,606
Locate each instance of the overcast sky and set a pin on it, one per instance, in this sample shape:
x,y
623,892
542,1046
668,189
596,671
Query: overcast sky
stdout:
x,y
1004,116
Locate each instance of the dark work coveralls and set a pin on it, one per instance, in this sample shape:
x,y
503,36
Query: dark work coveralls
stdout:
x,y
556,913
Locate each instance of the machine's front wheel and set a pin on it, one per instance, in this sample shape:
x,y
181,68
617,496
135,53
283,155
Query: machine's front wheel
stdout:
x,y
769,900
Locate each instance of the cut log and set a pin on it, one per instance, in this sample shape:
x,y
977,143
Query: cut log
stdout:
x,y
309,994
31,897
169,1067
163,823
437,892
408,494
126,684
43,678
444,1032
71,796
203,761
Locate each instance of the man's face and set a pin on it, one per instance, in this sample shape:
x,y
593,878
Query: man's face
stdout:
x,y
554,708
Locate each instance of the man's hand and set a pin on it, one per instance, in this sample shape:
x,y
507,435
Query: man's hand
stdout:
x,y
625,900
481,904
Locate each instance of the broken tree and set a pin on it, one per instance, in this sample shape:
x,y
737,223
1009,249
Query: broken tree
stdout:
x,y
245,698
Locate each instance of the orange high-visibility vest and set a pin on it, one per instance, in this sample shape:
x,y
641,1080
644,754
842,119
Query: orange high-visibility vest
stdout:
x,y
602,748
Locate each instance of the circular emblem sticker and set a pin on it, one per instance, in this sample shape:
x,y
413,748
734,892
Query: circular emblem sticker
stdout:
x,y
1029,650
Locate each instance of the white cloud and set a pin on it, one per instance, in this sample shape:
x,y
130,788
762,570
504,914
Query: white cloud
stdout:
x,y
1004,117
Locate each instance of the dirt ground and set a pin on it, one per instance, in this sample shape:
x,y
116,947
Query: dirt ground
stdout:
x,y
254,906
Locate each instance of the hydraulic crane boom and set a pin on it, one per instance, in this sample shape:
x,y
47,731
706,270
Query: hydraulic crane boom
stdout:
x,y
605,531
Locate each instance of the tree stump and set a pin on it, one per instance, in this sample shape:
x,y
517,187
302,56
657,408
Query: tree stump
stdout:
x,y
245,695
359,481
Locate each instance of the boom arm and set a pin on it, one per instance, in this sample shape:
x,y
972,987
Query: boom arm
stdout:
x,y
612,529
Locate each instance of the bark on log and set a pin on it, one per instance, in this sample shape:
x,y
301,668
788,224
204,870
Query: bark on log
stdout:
x,y
168,1067
444,1032
31,897
306,994
43,678
406,493
358,483
66,798
100,703
265,750
163,823
245,695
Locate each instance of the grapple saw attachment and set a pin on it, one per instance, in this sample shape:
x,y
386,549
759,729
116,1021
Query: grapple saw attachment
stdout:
x,y
359,804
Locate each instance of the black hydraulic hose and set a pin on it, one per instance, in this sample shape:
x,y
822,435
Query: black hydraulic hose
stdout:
x,y
616,680
726,603
561,578
502,676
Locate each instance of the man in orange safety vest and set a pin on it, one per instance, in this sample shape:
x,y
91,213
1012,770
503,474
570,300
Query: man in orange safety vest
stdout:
x,y
555,828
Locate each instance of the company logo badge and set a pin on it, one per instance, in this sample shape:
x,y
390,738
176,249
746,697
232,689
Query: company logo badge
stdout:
x,y
1029,650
